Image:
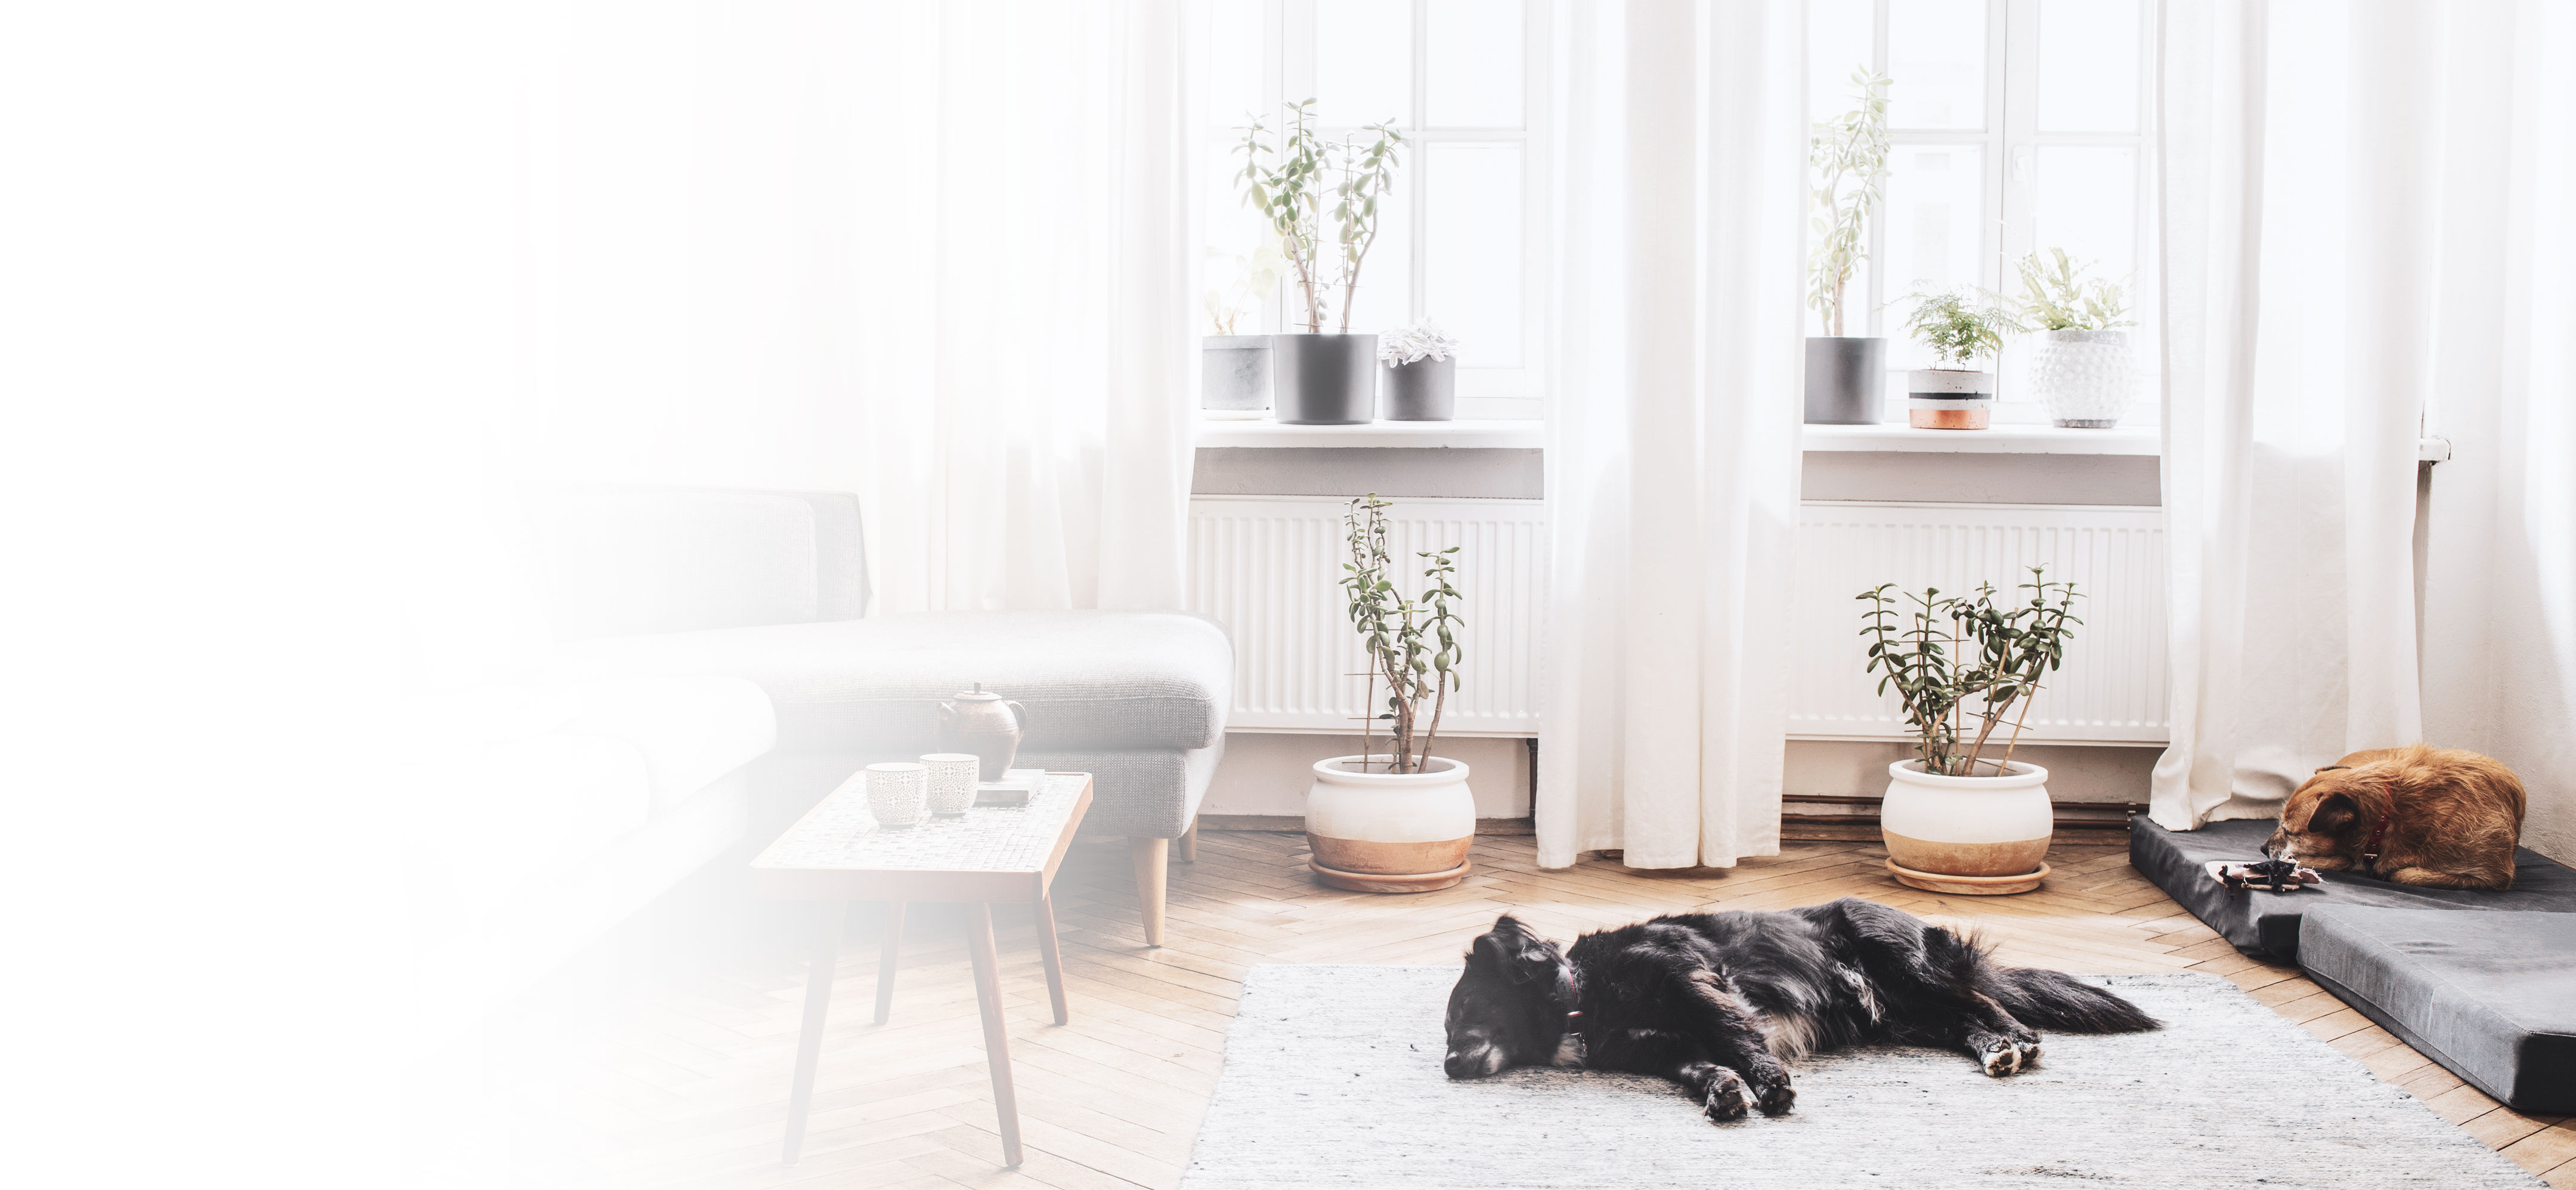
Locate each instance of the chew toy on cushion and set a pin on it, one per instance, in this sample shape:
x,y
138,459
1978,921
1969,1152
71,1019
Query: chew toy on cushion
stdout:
x,y
2264,875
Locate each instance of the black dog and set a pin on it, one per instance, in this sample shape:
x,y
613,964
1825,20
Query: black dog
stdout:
x,y
1715,1001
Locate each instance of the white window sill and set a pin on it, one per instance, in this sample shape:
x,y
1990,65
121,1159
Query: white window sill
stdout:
x,y
1885,437
1488,435
2002,439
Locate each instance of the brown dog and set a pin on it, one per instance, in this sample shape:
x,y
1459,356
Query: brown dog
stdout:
x,y
2430,816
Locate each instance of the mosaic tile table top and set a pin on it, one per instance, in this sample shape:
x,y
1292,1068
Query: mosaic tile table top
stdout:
x,y
841,833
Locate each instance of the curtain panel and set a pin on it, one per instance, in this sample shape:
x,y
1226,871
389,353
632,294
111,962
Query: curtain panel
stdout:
x,y
1673,440
2342,260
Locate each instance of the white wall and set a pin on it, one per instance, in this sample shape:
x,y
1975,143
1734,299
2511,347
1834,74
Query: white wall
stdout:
x,y
2088,773
1266,773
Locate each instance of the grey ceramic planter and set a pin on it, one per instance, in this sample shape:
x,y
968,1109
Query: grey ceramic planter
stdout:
x,y
1234,379
1323,380
1846,376
1424,390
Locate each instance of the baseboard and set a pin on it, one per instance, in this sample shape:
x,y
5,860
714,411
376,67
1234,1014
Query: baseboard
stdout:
x,y
1295,824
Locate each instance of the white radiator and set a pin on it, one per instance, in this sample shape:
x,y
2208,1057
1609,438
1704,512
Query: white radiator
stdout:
x,y
2112,689
1269,568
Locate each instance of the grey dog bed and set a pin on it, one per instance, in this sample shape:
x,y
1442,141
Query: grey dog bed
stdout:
x,y
2262,923
2490,996
2482,982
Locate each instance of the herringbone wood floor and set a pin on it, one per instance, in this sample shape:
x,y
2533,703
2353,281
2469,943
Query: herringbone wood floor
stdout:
x,y
679,1080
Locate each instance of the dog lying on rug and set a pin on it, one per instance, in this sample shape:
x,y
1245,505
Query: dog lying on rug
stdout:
x,y
2431,817
1718,1001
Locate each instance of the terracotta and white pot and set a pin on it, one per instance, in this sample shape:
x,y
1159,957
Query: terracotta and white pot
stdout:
x,y
1988,833
1949,399
1376,831
2085,379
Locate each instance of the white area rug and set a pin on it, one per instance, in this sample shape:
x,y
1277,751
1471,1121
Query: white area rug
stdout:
x,y
1332,1078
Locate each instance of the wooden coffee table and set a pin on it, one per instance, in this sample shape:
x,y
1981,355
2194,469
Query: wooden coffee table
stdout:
x,y
989,855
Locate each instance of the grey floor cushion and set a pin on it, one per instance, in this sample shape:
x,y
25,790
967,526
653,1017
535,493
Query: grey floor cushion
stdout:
x,y
2268,923
2491,996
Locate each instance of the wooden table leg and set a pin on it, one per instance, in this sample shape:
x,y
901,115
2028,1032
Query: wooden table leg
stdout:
x,y
809,1042
1054,959
997,1042
893,927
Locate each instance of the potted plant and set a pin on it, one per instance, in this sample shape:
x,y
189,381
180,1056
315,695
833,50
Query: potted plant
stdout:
x,y
2083,371
1959,332
1953,820
1845,374
1319,378
1399,820
1234,369
1421,374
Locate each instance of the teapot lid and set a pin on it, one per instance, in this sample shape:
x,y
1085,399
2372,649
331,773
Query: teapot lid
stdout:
x,y
978,694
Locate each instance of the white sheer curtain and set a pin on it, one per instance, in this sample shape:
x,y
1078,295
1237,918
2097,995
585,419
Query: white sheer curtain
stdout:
x,y
2332,185
1024,338
935,253
2500,560
1672,445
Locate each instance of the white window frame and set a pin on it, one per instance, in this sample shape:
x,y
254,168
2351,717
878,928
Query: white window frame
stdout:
x,y
1288,72
2009,218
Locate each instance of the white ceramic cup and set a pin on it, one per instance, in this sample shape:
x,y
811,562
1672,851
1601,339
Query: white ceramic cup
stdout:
x,y
895,793
952,781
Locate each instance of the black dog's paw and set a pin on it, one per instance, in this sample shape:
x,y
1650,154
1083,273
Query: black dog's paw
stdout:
x,y
1729,1099
1999,1056
2030,1054
1777,1098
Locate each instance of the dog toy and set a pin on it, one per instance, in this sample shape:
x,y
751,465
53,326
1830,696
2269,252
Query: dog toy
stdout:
x,y
2265,875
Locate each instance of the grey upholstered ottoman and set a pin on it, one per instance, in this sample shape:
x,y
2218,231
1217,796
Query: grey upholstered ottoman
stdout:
x,y
2490,996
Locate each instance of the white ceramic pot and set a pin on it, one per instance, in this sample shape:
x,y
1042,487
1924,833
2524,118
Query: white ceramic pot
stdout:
x,y
1967,826
1390,832
1949,399
2085,379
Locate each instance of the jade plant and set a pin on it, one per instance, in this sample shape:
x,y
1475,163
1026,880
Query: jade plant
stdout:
x,y
1849,155
1289,189
1962,664
1957,329
1411,644
2056,296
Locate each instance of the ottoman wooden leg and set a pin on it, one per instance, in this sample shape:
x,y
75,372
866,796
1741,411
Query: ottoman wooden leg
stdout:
x,y
1152,858
1190,843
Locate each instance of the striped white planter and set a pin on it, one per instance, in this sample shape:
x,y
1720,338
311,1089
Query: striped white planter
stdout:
x,y
1949,399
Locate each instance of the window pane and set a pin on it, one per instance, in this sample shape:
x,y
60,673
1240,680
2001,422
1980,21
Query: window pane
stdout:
x,y
2087,199
1363,62
1472,63
1936,55
1838,43
1385,299
2088,65
1935,231
1233,81
1472,233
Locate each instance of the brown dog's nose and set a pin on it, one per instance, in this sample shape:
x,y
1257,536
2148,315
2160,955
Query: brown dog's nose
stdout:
x,y
2279,840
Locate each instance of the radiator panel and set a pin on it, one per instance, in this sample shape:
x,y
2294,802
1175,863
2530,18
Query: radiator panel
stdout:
x,y
1269,568
2112,688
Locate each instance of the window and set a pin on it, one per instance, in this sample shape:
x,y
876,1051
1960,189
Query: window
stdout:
x,y
2018,125
1462,80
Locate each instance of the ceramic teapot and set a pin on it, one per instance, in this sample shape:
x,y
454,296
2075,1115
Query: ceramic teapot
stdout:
x,y
985,724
